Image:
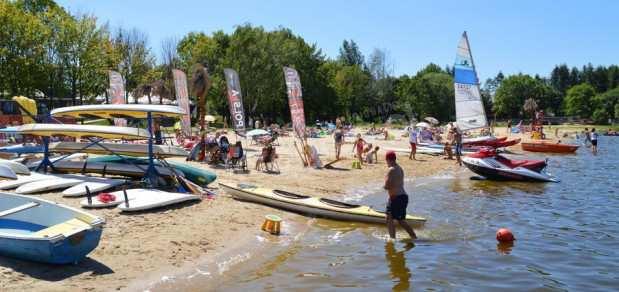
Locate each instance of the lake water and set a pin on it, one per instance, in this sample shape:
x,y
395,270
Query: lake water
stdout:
x,y
566,237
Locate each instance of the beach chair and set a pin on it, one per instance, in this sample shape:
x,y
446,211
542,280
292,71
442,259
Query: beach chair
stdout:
x,y
237,159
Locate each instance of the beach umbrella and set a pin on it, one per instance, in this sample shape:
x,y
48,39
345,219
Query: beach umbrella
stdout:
x,y
423,125
256,132
432,120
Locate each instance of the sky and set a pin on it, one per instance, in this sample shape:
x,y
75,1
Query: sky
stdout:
x,y
510,36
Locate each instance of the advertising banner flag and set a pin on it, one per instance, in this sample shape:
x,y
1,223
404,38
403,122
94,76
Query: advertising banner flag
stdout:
x,y
295,100
182,97
235,100
117,92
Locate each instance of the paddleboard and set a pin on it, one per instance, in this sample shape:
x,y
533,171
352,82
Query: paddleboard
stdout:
x,y
94,184
118,148
71,157
328,165
6,172
17,167
72,130
119,198
151,199
23,179
59,182
109,111
22,148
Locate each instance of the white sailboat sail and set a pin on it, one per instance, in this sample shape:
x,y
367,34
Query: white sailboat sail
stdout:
x,y
470,112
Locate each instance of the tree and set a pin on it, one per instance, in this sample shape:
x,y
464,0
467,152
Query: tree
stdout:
x,y
351,85
511,95
530,107
578,100
429,93
350,54
134,56
605,106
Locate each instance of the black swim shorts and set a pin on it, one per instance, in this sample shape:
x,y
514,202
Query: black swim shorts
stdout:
x,y
594,142
396,207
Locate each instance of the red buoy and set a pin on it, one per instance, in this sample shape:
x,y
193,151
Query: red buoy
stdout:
x,y
504,235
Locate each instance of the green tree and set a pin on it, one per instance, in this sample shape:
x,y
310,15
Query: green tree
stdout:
x,y
578,101
605,106
350,54
513,91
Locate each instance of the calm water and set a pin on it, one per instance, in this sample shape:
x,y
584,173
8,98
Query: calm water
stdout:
x,y
566,237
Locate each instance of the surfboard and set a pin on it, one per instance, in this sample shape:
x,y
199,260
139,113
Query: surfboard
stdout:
x,y
109,111
17,167
328,165
23,179
145,199
58,182
72,130
119,198
6,172
94,184
118,148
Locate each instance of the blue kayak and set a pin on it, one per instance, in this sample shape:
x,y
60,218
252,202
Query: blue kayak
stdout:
x,y
22,148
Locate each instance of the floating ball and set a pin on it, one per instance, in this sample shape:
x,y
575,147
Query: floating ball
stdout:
x,y
504,235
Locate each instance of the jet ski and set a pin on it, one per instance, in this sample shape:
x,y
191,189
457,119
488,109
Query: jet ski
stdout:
x,y
487,163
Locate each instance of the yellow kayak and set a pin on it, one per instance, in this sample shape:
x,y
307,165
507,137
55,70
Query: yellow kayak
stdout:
x,y
319,207
108,111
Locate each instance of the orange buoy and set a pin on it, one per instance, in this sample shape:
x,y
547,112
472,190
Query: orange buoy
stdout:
x,y
504,235
272,224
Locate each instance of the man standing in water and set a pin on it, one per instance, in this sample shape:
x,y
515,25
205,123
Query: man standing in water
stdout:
x,y
594,141
398,199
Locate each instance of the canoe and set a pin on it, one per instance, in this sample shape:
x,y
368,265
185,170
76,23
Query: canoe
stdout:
x,y
94,184
43,231
72,130
111,168
23,179
118,148
145,199
7,173
314,206
17,167
109,111
58,181
196,175
540,146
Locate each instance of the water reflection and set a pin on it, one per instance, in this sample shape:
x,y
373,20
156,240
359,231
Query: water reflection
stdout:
x,y
505,247
397,266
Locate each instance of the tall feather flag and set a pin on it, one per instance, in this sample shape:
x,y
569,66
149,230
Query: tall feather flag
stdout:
x,y
295,101
117,92
235,100
182,97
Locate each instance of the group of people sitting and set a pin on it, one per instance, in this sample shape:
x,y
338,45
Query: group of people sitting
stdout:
x,y
364,151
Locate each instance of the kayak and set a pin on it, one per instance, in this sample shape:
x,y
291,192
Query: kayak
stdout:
x,y
548,147
196,175
314,206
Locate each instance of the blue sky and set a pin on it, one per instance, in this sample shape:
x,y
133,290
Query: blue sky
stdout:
x,y
511,36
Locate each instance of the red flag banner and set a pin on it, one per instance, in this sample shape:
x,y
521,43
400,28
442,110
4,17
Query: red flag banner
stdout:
x,y
117,92
295,100
235,100
182,97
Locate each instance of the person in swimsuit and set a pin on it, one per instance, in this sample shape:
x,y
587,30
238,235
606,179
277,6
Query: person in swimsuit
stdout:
x,y
398,199
358,147
594,141
338,137
457,139
412,139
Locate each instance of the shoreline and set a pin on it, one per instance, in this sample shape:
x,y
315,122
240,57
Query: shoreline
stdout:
x,y
136,250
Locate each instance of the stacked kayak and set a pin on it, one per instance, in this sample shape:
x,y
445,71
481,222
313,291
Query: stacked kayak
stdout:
x,y
314,206
196,175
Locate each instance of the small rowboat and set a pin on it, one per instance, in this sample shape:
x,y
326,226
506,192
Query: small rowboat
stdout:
x,y
43,231
319,207
548,147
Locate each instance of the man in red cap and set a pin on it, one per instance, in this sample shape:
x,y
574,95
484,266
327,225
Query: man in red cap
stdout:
x,y
398,199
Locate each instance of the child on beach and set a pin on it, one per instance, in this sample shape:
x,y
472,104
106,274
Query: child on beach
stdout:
x,y
358,147
372,156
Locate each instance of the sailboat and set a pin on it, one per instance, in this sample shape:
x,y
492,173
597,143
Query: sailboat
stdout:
x,y
470,113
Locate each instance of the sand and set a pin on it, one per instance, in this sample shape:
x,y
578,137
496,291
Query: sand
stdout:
x,y
142,246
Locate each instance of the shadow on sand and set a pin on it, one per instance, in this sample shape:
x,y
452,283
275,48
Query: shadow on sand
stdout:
x,y
55,273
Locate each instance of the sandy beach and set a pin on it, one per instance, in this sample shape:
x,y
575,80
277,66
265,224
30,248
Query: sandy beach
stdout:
x,y
137,247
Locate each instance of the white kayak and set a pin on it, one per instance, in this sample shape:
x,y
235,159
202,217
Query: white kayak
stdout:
x,y
94,184
145,199
7,173
420,150
23,179
17,167
58,182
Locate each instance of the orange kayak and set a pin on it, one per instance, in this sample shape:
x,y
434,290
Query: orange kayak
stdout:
x,y
548,147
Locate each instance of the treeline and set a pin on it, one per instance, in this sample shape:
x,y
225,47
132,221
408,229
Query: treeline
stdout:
x,y
47,53
588,93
